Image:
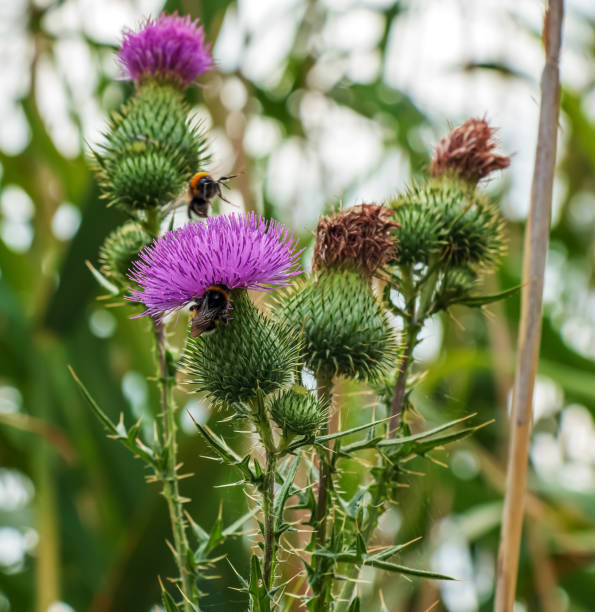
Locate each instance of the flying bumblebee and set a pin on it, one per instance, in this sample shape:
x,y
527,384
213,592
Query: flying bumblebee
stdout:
x,y
208,311
202,189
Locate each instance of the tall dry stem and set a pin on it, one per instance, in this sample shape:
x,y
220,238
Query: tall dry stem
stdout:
x,y
535,250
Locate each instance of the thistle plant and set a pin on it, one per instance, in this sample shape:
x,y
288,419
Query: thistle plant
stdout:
x,y
412,258
449,233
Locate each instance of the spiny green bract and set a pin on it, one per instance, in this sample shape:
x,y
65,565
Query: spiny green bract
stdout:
x,y
119,250
244,355
345,329
455,285
151,150
297,411
449,219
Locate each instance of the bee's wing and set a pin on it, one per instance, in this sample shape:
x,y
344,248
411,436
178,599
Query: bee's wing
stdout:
x,y
181,200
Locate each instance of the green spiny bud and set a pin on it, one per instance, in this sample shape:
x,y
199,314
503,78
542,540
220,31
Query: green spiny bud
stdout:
x,y
151,150
455,285
247,354
345,329
448,219
119,250
297,411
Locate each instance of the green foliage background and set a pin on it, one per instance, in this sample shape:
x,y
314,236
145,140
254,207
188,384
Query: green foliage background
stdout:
x,y
102,529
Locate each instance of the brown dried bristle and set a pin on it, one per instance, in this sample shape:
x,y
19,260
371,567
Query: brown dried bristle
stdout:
x,y
361,234
468,152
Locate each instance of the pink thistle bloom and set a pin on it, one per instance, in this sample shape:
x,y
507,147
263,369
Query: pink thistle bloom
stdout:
x,y
170,47
236,251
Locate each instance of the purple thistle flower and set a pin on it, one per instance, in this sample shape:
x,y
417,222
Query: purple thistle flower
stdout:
x,y
237,251
170,47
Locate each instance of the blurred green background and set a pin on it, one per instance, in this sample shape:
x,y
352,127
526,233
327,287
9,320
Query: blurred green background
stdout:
x,y
317,103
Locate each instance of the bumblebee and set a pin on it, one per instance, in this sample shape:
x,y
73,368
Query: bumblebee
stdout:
x,y
208,311
202,189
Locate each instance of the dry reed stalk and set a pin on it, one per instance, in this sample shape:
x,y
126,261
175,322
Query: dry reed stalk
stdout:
x,y
535,250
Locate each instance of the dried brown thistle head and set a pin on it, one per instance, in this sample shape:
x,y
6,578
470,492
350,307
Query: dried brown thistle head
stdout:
x,y
468,152
362,234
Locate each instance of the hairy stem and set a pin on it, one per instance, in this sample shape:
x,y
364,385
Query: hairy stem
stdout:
x,y
269,518
375,509
268,491
323,584
169,475
413,323
325,392
399,392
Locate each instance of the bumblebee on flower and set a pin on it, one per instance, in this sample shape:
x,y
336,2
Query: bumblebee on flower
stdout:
x,y
232,252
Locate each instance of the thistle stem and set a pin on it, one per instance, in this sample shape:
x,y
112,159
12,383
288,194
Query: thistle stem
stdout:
x,y
325,392
268,491
370,522
322,586
269,518
413,323
410,332
169,475
399,392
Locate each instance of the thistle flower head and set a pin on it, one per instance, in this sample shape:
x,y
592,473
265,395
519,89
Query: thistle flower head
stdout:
x,y
170,48
237,251
249,355
467,152
360,234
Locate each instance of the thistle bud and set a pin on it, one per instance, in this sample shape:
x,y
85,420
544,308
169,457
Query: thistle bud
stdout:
x,y
297,411
344,328
151,150
119,250
246,354
449,220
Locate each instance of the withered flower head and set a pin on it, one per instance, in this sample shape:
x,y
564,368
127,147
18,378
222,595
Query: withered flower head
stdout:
x,y
467,152
362,234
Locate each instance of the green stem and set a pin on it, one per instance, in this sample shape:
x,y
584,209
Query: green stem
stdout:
x,y
268,491
152,224
375,509
323,585
325,394
169,475
269,518
410,333
413,323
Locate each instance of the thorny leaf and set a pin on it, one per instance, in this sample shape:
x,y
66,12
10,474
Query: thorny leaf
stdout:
x,y
129,438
